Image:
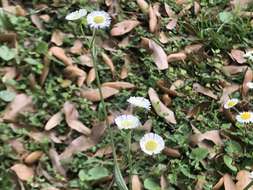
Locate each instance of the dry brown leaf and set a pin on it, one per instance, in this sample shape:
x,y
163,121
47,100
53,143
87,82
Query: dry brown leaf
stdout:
x,y
166,100
243,179
227,90
86,60
136,183
228,182
10,38
197,108
119,85
77,47
21,103
163,86
172,24
219,184
71,116
180,56
23,172
57,37
147,126
160,108
153,21
163,38
45,70
194,48
205,91
171,152
54,121
55,159
60,54
38,136
108,62
144,6
37,22
45,17
16,10
213,135
200,183
158,53
103,151
196,7
93,94
238,56
17,146
33,157
169,10
72,71
233,69
124,27
163,183
247,78
124,72
91,76
240,3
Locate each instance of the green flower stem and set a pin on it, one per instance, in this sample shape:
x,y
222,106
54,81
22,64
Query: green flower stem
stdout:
x,y
129,156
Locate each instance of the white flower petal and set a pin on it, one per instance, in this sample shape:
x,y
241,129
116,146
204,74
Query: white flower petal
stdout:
x,y
139,102
231,103
76,14
250,85
127,122
245,117
99,19
156,141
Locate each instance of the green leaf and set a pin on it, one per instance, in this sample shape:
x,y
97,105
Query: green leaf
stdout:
x,y
83,175
225,17
229,161
150,184
97,173
42,47
118,177
233,147
6,53
7,96
199,154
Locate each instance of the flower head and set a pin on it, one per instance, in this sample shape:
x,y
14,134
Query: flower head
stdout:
x,y
249,55
98,19
249,85
251,175
139,102
127,122
76,14
152,143
245,117
231,103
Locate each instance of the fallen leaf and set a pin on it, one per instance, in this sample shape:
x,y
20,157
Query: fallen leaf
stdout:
x,y
238,56
233,69
144,6
243,179
86,60
119,85
91,76
158,53
163,183
55,159
196,7
228,182
94,96
197,109
21,103
60,54
45,70
153,21
37,22
136,183
163,86
54,121
17,146
124,72
160,108
240,3
124,27
166,100
248,77
45,17
103,151
227,90
33,157
77,47
107,60
219,184
23,172
180,56
57,37
169,10
172,24
200,183
205,91
193,48
171,152
213,135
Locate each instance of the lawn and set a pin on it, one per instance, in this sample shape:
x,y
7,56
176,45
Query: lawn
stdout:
x,y
69,116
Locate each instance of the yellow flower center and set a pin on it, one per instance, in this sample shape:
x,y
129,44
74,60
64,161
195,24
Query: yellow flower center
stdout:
x,y
127,123
151,145
231,104
245,115
98,19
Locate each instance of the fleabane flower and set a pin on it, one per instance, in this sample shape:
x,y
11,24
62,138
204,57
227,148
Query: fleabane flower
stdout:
x,y
139,102
76,14
127,122
245,117
152,143
231,103
249,85
98,19
249,55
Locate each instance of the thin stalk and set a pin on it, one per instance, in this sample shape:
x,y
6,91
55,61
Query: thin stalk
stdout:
x,y
129,156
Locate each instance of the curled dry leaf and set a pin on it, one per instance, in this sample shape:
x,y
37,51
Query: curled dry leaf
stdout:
x,y
172,24
124,27
108,62
45,70
196,7
169,10
205,91
147,126
57,37
233,69
238,56
55,159
33,157
73,71
227,90
166,100
93,94
153,21
77,47
17,146
228,182
86,60
119,85
23,172
162,85
198,108
144,6
103,151
91,76
136,183
21,103
243,179
180,56
158,53
194,48
248,77
124,72
60,54
163,38
54,121
171,152
37,22
71,116
160,108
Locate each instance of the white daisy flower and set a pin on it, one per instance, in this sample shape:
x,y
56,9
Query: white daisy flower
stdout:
x,y
249,85
245,117
76,14
127,122
231,103
251,175
99,19
152,143
249,55
139,102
